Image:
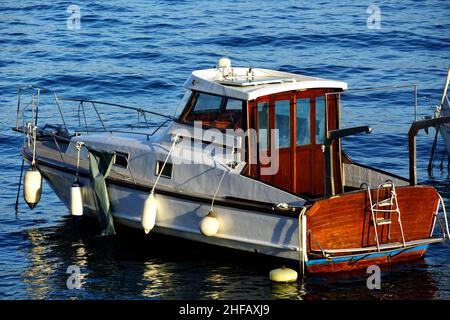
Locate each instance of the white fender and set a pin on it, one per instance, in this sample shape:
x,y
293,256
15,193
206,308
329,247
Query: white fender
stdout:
x,y
149,213
32,186
76,199
209,225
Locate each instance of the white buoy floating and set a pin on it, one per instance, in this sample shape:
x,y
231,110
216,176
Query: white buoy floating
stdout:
x,y
283,274
148,218
76,199
209,225
32,186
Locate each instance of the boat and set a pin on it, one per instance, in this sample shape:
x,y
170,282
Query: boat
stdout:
x,y
251,160
442,110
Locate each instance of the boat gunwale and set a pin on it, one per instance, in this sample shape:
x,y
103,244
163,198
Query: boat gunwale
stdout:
x,y
232,202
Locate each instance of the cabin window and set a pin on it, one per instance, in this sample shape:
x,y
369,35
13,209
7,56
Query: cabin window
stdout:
x,y
263,125
303,122
166,172
121,159
234,105
215,111
183,103
232,115
282,123
320,120
206,104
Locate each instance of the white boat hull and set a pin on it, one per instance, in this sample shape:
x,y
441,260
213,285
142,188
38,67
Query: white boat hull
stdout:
x,y
265,233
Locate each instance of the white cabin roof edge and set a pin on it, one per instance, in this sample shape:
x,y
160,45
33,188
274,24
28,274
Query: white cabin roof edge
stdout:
x,y
209,80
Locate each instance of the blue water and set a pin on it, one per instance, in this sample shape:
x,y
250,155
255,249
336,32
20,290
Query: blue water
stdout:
x,y
139,53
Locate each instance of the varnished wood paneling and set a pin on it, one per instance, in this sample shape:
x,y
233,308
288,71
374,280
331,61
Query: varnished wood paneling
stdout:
x,y
345,221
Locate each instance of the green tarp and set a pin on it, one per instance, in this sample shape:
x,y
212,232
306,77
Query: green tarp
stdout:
x,y
100,165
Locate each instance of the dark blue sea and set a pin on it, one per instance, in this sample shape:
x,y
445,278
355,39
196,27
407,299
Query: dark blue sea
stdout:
x,y
139,53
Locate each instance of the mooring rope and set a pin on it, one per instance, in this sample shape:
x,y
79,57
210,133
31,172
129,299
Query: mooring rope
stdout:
x,y
217,190
34,146
175,140
78,146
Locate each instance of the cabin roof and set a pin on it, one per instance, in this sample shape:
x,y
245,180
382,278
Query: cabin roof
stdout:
x,y
251,83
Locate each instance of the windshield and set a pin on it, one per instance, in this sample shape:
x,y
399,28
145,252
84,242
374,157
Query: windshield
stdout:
x,y
182,104
214,111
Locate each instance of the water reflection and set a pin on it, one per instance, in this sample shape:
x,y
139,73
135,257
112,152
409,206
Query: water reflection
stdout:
x,y
294,290
154,278
38,273
132,266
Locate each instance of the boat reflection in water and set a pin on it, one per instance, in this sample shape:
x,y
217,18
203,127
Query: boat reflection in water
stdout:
x,y
123,268
37,275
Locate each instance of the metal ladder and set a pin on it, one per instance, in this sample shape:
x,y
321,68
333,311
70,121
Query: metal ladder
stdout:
x,y
385,206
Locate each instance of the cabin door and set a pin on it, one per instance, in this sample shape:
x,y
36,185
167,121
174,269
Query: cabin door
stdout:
x,y
313,120
310,136
291,130
273,116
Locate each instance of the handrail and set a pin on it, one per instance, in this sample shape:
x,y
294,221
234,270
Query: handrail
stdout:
x,y
301,233
413,130
381,88
84,110
116,105
441,201
447,81
60,98
334,135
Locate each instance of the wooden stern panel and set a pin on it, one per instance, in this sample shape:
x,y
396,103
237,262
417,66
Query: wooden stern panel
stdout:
x,y
345,221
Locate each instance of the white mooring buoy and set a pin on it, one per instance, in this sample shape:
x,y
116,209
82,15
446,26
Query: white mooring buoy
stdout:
x,y
283,274
32,186
149,213
209,225
76,199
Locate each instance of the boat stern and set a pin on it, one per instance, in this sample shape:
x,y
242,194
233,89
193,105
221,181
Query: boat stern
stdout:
x,y
367,227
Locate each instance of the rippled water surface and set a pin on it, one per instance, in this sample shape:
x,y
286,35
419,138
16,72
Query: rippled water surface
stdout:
x,y
139,53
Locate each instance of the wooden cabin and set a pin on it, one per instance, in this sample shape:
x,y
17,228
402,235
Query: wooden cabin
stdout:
x,y
303,109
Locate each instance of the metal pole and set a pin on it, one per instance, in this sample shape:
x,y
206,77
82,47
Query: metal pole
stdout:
x,y
433,148
20,183
37,105
413,130
302,240
18,108
60,111
415,102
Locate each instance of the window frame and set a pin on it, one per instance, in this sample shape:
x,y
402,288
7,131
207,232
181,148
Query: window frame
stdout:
x,y
190,104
